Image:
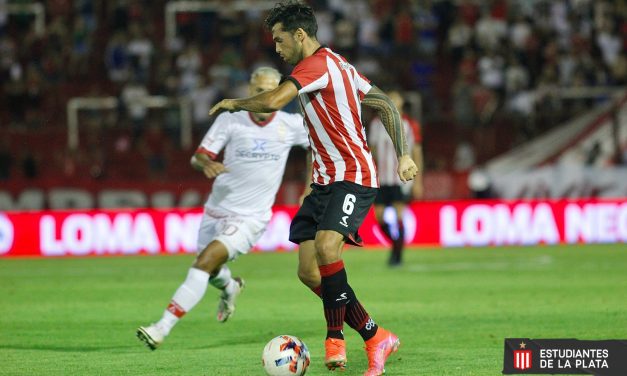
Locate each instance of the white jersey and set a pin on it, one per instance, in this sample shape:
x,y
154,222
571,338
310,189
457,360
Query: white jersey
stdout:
x,y
255,156
384,151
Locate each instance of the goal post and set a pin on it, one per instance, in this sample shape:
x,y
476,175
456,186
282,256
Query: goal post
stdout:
x,y
36,9
77,104
174,7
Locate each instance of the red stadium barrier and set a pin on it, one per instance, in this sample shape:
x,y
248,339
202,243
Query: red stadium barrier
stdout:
x,y
460,223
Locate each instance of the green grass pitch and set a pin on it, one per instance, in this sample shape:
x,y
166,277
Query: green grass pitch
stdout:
x,y
452,308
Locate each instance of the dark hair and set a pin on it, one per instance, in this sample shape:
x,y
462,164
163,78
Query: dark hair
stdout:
x,y
293,14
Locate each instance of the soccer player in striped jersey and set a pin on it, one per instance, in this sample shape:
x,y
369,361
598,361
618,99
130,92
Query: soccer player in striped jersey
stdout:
x,y
331,92
256,147
391,190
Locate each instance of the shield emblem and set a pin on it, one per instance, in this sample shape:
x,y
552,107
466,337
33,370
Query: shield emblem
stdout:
x,y
522,359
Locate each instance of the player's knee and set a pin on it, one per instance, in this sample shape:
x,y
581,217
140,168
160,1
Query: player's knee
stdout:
x,y
309,278
210,260
328,248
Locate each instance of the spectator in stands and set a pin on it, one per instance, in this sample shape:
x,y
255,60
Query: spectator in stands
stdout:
x,y
465,158
81,48
489,31
491,70
516,76
188,64
133,97
427,23
479,184
459,37
463,107
140,51
15,91
519,33
117,59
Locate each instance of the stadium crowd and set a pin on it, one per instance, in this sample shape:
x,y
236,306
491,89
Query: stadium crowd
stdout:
x,y
487,73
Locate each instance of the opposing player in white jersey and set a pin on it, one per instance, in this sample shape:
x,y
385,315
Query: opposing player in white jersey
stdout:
x,y
392,191
331,92
256,147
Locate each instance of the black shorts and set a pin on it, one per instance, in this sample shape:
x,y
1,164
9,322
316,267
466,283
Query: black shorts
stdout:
x,y
341,206
389,194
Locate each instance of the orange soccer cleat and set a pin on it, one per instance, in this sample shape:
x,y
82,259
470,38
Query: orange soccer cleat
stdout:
x,y
335,354
378,349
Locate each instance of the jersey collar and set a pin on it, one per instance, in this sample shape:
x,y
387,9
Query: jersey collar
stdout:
x,y
262,123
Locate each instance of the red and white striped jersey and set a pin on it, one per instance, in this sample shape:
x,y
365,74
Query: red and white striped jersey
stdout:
x,y
330,93
384,151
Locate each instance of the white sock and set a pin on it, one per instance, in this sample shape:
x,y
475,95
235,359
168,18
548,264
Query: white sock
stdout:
x,y
222,279
184,299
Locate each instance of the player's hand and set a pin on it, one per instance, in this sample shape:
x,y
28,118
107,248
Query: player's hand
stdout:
x,y
407,169
223,105
212,169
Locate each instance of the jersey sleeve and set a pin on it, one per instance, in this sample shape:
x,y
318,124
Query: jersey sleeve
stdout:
x,y
216,137
310,74
363,86
301,137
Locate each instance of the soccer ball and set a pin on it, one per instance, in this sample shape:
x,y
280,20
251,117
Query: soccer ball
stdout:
x,y
285,356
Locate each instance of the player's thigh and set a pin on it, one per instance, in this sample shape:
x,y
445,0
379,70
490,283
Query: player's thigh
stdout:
x,y
347,207
207,231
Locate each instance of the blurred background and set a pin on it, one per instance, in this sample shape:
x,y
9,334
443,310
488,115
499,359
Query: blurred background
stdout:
x,y
102,103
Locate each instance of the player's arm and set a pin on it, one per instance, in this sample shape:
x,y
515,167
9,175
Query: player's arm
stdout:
x,y
391,120
268,101
211,169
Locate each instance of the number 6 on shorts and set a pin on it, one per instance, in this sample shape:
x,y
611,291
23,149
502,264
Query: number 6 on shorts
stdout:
x,y
349,203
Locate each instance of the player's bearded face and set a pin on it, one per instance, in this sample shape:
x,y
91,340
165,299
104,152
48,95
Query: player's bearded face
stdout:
x,y
286,45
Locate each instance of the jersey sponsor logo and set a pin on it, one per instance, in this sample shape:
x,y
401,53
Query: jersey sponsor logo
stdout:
x,y
343,221
260,145
257,152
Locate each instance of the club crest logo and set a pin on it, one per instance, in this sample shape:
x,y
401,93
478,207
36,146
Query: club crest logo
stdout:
x,y
522,357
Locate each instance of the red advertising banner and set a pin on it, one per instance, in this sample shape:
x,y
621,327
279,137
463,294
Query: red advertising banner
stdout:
x,y
447,224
